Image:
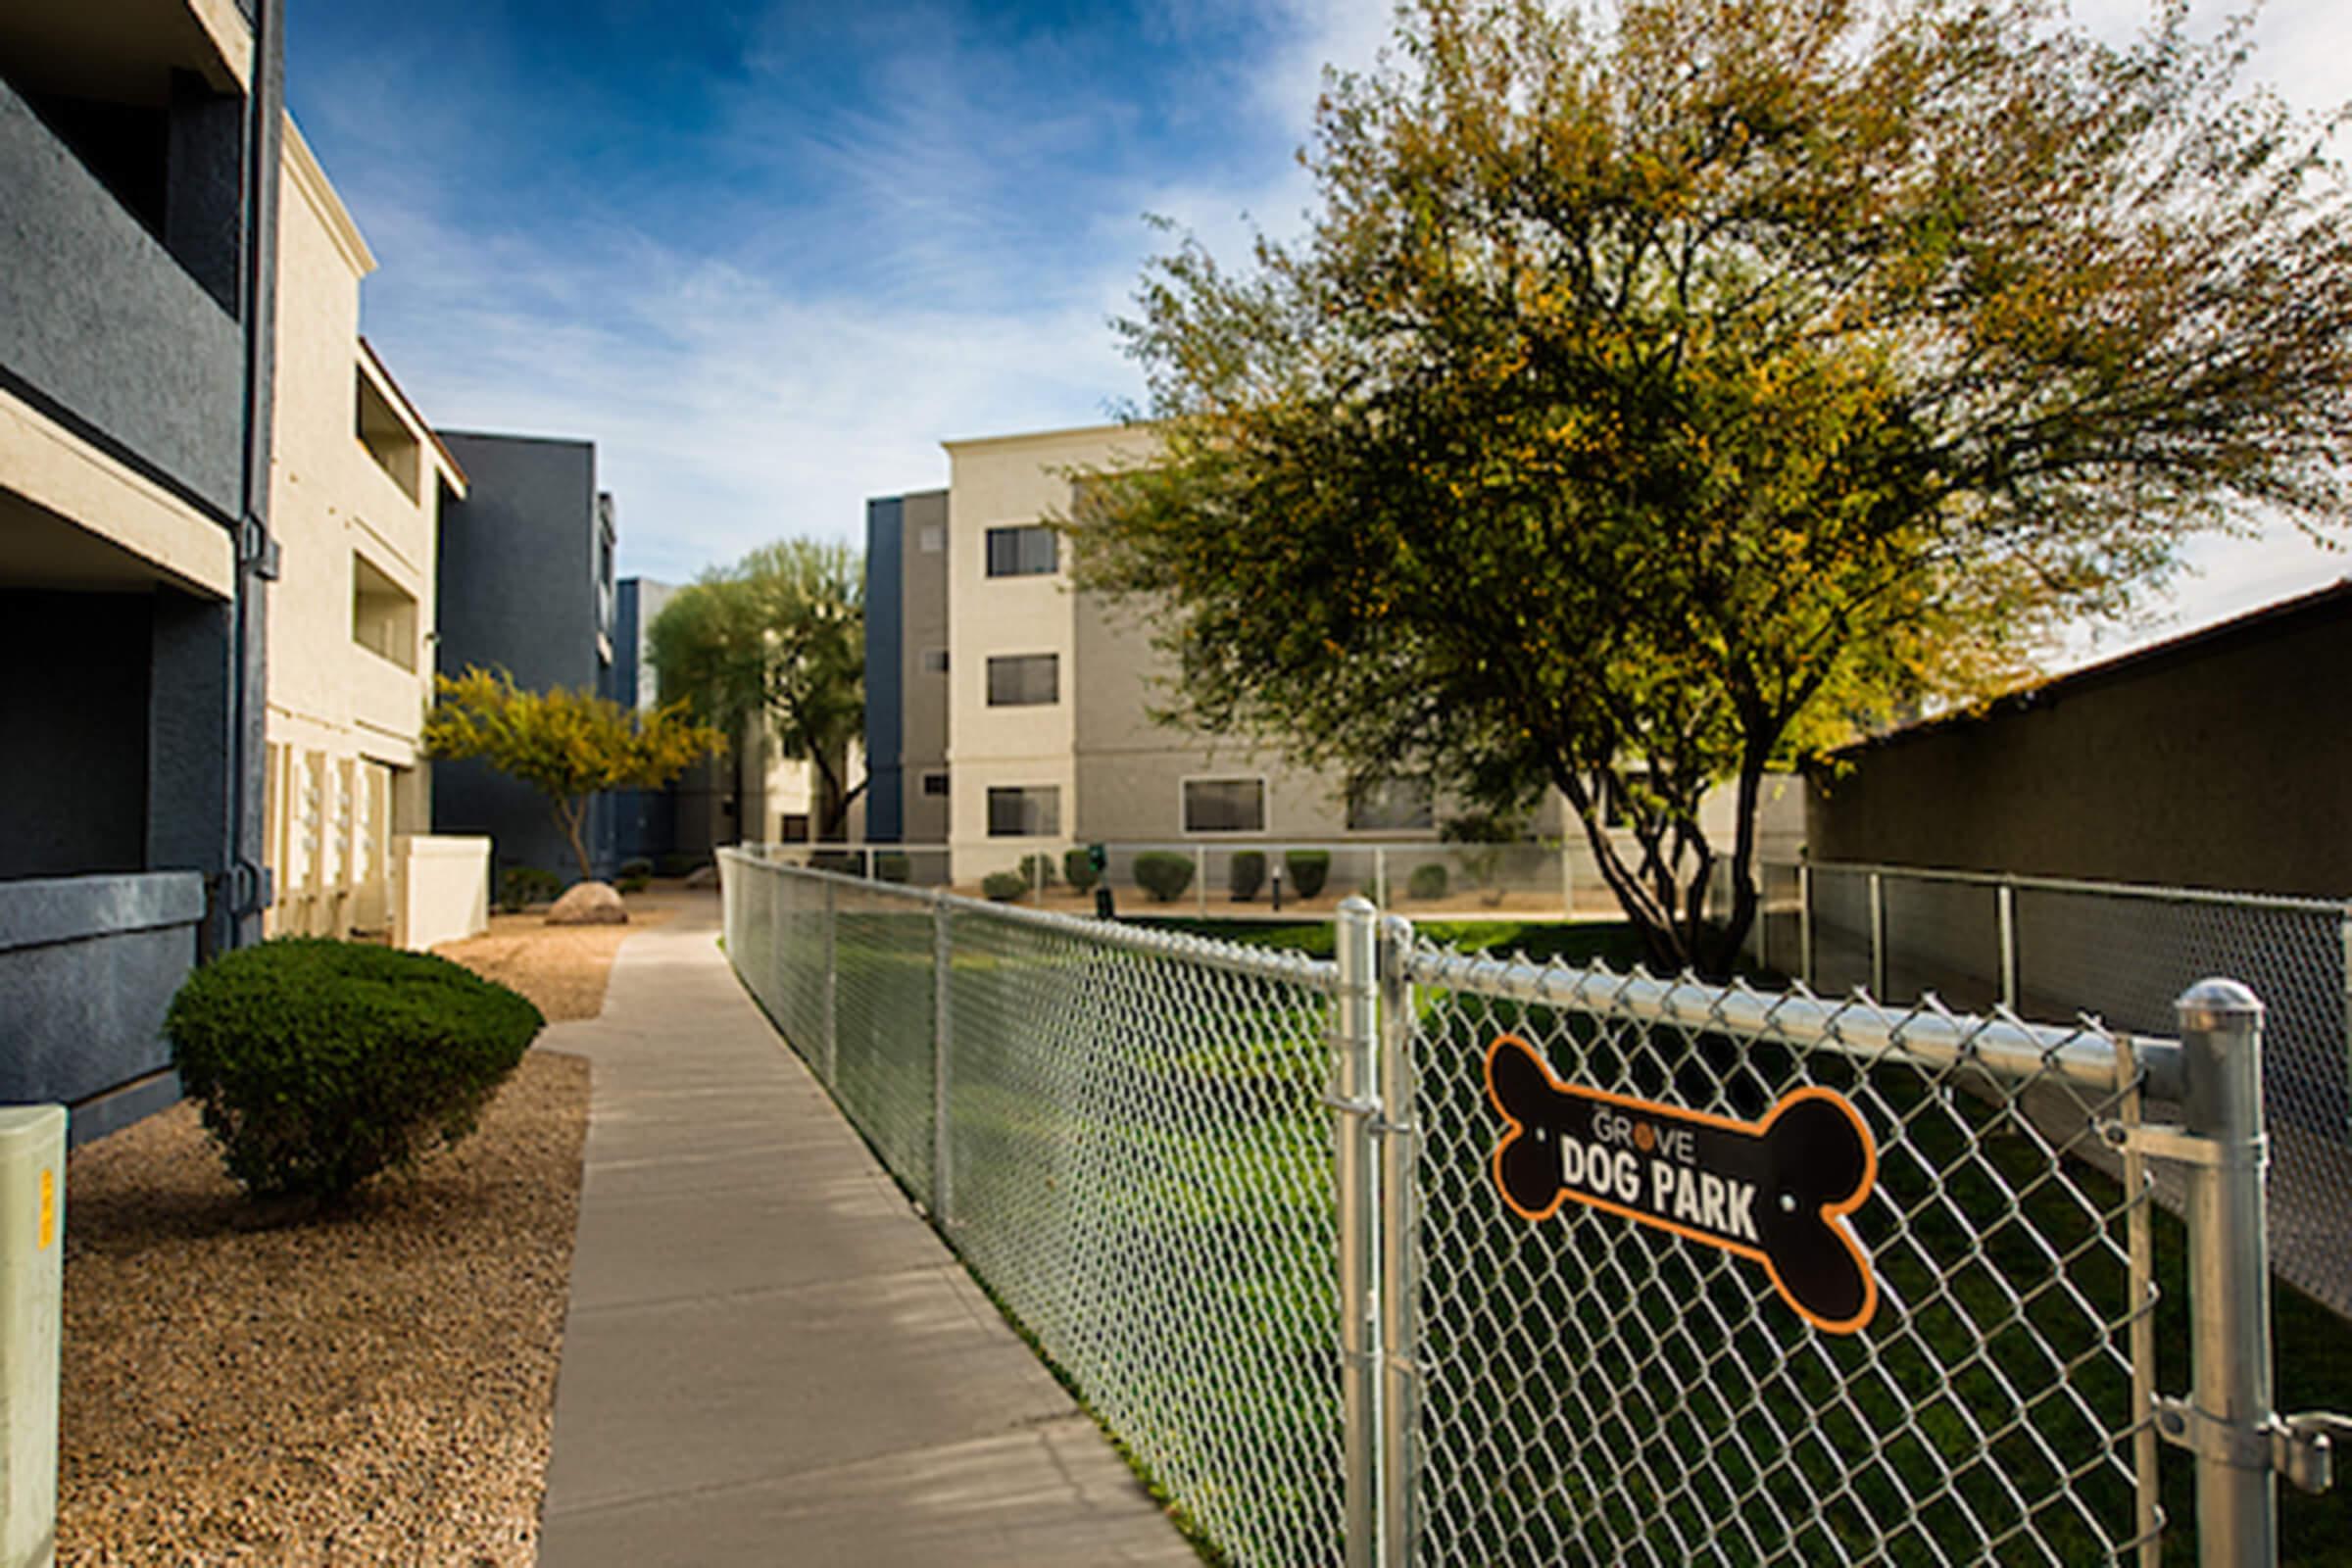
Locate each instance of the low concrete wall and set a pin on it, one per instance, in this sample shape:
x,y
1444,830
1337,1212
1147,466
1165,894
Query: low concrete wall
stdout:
x,y
440,889
87,966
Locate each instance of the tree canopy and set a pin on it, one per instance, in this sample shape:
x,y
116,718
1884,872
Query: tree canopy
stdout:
x,y
1665,388
780,637
569,745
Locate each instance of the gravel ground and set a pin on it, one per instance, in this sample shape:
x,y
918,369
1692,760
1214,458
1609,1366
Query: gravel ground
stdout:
x,y
561,968
371,1385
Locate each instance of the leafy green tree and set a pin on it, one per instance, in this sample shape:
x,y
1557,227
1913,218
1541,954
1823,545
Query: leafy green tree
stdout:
x,y
779,636
569,745
1666,388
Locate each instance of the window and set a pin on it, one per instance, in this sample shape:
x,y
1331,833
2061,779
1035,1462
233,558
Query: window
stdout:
x,y
383,616
1024,680
792,828
1224,805
935,660
935,785
1030,552
387,437
1029,812
932,540
1392,805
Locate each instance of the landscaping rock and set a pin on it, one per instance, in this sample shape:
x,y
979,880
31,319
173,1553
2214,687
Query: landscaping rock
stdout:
x,y
703,877
589,903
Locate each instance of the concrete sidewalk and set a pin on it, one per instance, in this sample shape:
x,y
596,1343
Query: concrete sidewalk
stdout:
x,y
769,1358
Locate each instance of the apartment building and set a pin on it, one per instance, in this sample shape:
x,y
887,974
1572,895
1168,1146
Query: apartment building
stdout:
x,y
138,158
1006,711
358,482
1004,707
524,583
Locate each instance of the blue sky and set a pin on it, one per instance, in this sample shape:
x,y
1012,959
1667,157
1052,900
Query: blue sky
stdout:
x,y
769,255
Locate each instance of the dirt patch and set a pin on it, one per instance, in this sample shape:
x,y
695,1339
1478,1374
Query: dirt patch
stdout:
x,y
561,967
370,1385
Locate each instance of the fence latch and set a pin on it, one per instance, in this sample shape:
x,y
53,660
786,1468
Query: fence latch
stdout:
x,y
2163,1141
2300,1448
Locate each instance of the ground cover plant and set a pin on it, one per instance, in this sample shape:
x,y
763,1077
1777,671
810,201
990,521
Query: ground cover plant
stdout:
x,y
321,1064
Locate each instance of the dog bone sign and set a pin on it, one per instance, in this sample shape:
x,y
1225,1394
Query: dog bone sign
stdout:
x,y
1776,1191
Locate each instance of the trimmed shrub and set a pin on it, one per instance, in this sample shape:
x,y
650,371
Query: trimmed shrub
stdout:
x,y
1038,870
1308,868
684,864
635,876
1246,874
894,868
321,1064
1078,870
1004,885
1426,882
1164,873
524,885
841,862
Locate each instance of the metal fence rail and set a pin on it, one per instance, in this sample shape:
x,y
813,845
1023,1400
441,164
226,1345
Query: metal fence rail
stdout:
x,y
2047,947
1264,1212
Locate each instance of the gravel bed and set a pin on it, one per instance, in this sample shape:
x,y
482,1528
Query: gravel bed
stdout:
x,y
368,1385
561,967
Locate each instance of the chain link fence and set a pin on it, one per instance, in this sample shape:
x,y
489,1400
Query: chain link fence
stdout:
x,y
2048,948
1597,1391
1175,1165
1136,1162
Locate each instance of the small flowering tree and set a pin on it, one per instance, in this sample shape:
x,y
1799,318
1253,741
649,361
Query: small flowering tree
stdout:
x,y
569,745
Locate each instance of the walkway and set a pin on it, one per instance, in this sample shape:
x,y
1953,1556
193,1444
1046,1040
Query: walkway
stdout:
x,y
769,1358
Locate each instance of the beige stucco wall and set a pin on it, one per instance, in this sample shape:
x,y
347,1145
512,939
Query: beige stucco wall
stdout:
x,y
1003,482
59,471
344,719
1121,774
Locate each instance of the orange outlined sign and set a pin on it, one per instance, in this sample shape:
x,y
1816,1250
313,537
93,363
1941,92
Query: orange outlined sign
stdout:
x,y
1776,1191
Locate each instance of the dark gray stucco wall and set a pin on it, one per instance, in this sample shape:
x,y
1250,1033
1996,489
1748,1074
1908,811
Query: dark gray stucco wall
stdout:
x,y
100,325
885,658
2221,764
923,695
87,966
518,591
644,821
73,774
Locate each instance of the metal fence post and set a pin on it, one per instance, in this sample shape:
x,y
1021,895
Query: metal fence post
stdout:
x,y
942,1034
832,983
2348,995
1400,1305
2005,902
2228,1279
1878,937
1804,923
1354,1026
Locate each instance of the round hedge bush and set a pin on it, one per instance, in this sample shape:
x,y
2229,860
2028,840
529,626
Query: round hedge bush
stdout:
x,y
321,1064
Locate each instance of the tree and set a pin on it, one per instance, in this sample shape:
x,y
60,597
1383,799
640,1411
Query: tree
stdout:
x,y
1661,391
779,636
568,746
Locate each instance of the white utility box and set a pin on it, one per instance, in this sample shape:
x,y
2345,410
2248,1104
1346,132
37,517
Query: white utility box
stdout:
x,y
32,1277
